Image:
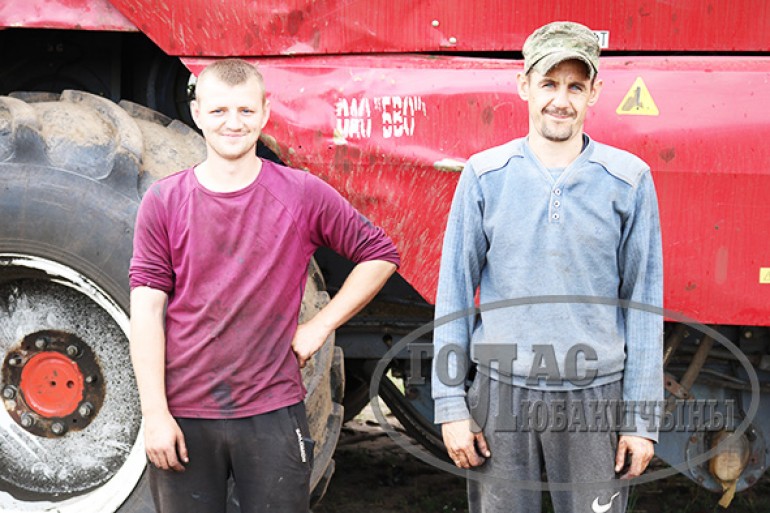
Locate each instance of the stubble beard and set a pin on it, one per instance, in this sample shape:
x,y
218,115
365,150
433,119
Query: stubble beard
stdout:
x,y
565,134
559,133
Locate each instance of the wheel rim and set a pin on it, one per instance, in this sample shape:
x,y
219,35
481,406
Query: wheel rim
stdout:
x,y
65,366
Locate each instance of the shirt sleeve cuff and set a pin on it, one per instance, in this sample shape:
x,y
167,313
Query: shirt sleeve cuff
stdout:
x,y
643,426
450,409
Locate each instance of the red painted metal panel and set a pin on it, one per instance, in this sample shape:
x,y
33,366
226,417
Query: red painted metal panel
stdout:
x,y
64,14
380,129
281,27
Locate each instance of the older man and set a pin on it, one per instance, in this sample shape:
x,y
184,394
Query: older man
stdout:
x,y
552,214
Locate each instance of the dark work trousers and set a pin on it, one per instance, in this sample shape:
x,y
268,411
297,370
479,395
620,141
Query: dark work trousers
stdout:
x,y
269,457
521,450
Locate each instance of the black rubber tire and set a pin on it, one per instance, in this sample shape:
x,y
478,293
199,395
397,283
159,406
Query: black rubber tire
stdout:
x,y
72,170
356,388
161,82
426,434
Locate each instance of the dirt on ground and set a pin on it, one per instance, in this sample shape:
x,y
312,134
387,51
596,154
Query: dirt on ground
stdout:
x,y
375,475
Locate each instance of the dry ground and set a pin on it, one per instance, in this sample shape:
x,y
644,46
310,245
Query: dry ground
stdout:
x,y
375,475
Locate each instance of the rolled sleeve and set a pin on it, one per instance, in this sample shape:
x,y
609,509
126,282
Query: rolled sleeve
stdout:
x,y
151,261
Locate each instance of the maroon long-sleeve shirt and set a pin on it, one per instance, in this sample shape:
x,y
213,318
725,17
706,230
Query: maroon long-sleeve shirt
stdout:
x,y
234,267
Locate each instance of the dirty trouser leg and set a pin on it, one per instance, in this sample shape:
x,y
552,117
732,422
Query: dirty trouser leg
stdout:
x,y
584,451
272,457
499,485
202,487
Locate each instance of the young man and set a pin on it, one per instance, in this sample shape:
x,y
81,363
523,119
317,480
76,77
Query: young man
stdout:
x,y
221,253
552,214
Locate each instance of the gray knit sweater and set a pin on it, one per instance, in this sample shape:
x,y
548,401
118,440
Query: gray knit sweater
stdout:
x,y
517,233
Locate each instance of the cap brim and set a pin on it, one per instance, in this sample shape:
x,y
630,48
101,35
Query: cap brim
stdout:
x,y
544,65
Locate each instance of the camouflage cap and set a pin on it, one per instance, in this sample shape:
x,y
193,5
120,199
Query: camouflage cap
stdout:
x,y
560,41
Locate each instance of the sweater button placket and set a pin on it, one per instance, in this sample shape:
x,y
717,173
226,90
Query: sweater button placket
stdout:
x,y
555,216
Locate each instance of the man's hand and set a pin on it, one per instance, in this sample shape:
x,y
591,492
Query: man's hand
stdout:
x,y
164,442
641,450
461,444
308,339
361,285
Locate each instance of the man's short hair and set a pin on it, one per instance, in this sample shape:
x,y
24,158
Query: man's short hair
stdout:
x,y
233,72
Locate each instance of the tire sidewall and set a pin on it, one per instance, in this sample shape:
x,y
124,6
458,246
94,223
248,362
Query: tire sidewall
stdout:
x,y
80,223
76,221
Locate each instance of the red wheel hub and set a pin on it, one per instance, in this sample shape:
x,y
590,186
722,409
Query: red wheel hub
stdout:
x,y
52,384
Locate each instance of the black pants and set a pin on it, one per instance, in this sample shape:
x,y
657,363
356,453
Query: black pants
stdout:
x,y
269,457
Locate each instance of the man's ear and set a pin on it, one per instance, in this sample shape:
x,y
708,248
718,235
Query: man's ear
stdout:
x,y
195,111
595,92
266,110
522,85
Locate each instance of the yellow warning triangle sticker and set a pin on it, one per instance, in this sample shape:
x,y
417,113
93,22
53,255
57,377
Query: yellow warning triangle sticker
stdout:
x,y
638,101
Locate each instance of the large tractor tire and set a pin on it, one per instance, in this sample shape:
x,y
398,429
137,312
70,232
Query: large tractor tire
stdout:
x,y
72,170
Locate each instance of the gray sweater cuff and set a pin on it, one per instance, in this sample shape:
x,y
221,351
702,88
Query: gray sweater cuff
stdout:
x,y
641,427
450,409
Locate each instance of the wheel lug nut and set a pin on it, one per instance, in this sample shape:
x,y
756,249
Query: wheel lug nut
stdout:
x,y
90,379
41,343
86,409
58,428
73,351
27,420
9,392
14,361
